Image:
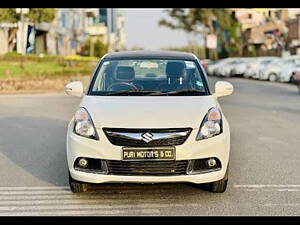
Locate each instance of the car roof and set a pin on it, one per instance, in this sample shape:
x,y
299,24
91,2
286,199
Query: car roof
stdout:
x,y
140,54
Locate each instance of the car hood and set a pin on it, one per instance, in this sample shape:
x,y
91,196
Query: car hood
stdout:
x,y
273,68
148,111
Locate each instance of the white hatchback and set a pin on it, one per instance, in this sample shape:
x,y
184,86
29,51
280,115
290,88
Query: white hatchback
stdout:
x,y
148,117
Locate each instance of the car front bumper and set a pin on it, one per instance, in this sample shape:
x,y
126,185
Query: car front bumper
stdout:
x,y
284,79
218,146
101,178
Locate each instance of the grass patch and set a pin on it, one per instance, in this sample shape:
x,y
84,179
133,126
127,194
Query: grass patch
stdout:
x,y
32,73
33,66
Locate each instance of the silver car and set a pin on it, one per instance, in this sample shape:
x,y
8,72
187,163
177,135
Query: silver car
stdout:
x,y
286,73
242,65
215,68
271,72
258,65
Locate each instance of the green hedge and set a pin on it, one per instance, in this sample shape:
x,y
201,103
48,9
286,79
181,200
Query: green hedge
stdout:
x,y
13,56
14,65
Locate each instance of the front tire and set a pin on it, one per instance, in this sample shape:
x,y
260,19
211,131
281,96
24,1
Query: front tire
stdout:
x,y
220,185
272,77
77,186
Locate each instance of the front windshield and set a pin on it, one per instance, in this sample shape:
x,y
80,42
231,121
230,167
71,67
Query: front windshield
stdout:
x,y
148,77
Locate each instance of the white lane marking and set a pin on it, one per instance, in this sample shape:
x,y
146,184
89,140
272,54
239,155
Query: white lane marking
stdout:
x,y
150,211
84,212
64,191
55,202
269,187
64,213
68,188
98,202
102,197
79,206
288,189
282,204
35,188
90,192
33,192
266,185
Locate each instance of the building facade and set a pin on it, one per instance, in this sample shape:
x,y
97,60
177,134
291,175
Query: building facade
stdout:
x,y
113,19
264,29
67,34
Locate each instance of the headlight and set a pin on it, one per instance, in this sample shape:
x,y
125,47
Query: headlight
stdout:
x,y
211,124
83,124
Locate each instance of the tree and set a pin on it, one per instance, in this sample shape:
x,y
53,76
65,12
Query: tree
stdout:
x,y
35,15
39,15
9,15
95,47
218,21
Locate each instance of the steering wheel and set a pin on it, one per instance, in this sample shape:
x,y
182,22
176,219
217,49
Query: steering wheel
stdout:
x,y
123,86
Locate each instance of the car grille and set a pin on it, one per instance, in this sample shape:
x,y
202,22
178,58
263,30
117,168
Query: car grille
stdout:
x,y
150,168
133,137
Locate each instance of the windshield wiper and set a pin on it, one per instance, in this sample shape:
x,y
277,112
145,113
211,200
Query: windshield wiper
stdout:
x,y
180,92
132,92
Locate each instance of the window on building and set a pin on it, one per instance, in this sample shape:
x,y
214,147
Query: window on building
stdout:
x,y
63,20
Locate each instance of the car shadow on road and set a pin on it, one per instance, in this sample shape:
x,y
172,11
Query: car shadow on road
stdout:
x,y
37,145
158,192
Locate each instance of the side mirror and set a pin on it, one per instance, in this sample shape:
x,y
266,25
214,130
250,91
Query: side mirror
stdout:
x,y
223,88
74,88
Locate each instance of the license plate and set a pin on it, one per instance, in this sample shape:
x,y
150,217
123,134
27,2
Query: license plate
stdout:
x,y
148,154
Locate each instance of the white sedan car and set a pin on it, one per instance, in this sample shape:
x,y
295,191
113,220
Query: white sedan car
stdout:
x,y
286,73
263,62
147,117
271,72
215,67
241,66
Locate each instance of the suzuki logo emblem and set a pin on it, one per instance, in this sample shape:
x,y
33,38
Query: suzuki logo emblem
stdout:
x,y
147,137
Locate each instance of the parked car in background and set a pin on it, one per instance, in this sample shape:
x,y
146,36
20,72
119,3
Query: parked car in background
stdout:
x,y
270,68
229,68
205,63
250,67
214,67
211,67
260,64
241,66
271,72
285,74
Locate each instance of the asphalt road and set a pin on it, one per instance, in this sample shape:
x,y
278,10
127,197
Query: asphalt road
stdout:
x,y
264,165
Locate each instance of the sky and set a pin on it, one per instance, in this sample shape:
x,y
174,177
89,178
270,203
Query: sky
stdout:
x,y
142,30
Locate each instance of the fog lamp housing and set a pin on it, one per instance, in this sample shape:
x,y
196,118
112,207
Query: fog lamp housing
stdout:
x,y
198,166
90,165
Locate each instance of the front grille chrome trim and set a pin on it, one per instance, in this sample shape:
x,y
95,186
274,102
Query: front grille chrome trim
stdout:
x,y
156,136
147,137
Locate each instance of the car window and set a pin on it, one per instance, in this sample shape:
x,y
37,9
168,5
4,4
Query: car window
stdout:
x,y
142,76
266,62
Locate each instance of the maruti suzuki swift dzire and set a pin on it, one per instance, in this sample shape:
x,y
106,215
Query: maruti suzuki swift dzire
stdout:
x,y
148,117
